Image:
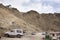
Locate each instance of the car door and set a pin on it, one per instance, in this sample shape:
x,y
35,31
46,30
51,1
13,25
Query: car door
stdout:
x,y
12,32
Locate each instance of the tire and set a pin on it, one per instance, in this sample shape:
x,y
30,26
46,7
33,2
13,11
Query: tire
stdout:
x,y
19,36
6,35
0,37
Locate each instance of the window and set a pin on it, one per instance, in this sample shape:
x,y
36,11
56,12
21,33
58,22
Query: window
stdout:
x,y
18,31
12,31
58,34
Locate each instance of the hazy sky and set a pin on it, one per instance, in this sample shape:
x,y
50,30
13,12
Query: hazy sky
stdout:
x,y
37,5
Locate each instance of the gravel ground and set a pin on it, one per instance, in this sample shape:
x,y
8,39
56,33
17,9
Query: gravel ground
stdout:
x,y
23,38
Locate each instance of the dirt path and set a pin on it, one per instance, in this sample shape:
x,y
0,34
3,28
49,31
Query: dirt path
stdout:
x,y
23,38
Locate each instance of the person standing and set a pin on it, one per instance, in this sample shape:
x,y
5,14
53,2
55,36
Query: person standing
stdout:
x,y
47,37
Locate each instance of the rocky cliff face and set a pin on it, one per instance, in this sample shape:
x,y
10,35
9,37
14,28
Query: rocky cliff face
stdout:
x,y
30,21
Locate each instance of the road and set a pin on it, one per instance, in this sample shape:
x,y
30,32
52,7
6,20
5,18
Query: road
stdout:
x,y
23,38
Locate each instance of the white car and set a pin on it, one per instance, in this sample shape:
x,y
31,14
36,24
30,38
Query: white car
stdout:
x,y
14,33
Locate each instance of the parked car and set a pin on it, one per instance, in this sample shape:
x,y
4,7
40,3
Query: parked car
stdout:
x,y
14,33
33,33
41,34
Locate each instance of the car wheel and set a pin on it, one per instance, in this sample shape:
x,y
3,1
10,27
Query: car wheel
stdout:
x,y
6,35
19,36
0,37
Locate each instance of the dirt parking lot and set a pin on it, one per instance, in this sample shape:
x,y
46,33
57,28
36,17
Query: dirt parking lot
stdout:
x,y
23,38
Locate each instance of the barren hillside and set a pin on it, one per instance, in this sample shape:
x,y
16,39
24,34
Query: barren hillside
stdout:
x,y
29,21
8,20
45,22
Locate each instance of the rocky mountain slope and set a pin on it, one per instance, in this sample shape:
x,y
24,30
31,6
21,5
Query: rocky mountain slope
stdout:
x,y
30,21
45,22
8,20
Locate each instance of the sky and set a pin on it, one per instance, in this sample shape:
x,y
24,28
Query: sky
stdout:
x,y
41,6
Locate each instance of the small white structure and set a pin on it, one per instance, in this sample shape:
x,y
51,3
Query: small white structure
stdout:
x,y
55,35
